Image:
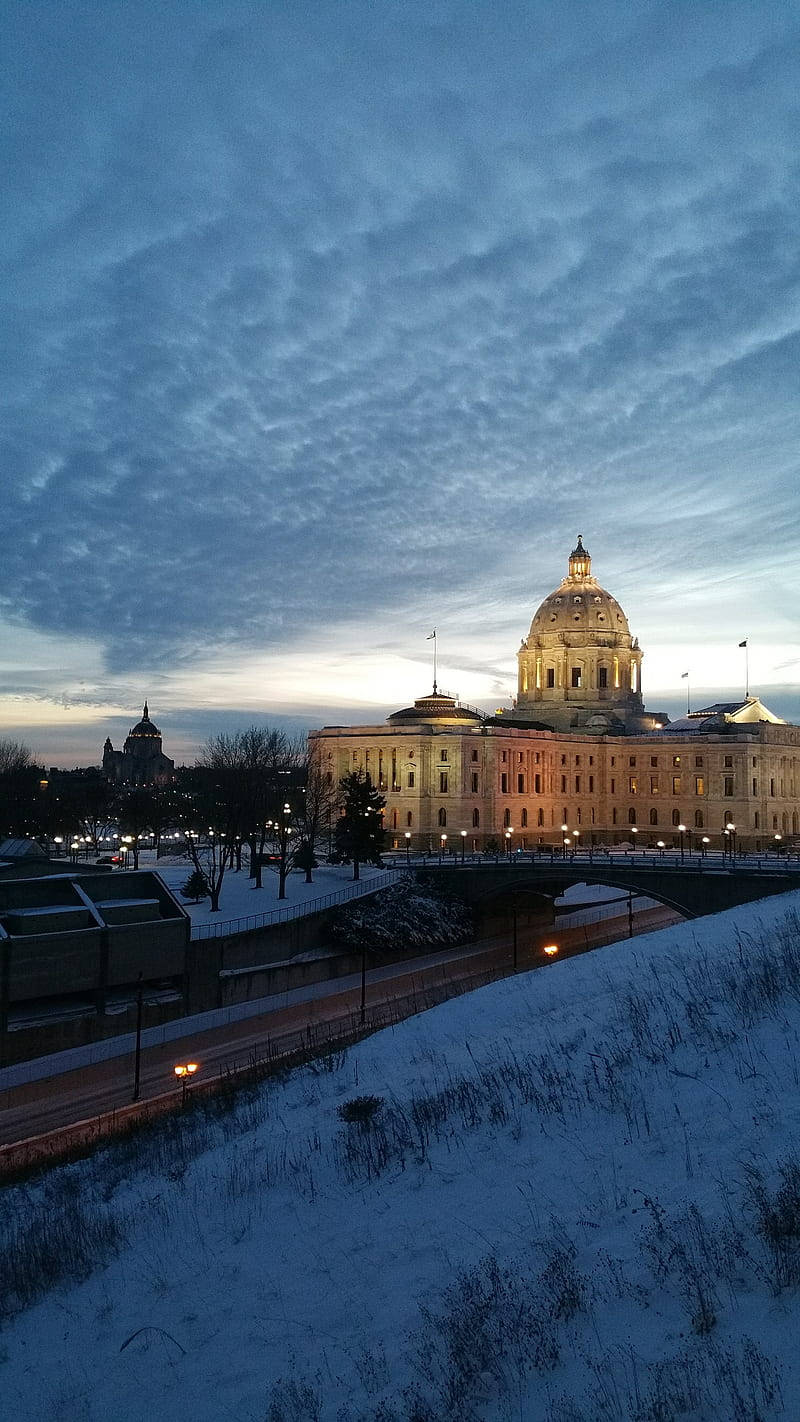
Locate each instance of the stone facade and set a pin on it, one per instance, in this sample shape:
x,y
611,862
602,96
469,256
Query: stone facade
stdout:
x,y
598,764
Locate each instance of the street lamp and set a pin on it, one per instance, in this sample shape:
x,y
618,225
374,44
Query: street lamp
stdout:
x,y
565,831
184,1072
778,838
442,845
704,843
730,829
509,833
575,837
59,841
634,832
550,949
682,833
463,844
408,847
660,848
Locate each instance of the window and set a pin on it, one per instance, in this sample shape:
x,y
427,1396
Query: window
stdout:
x,y
442,818
676,785
442,782
520,757
411,779
475,782
653,784
394,819
443,755
613,760
698,819
728,762
633,785
755,820
728,786
576,676
699,785
755,786
563,785
506,819
521,784
476,819
537,783
563,760
654,817
772,787
504,757
676,760
577,760
676,817
613,786
577,785
591,760
613,817
591,784
540,819
632,760
474,755
698,760
524,819
602,677
551,676
654,761
504,783
631,817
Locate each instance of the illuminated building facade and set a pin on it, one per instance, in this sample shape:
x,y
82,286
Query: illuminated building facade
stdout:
x,y
576,749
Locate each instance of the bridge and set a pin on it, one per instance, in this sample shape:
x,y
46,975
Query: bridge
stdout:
x,y
691,889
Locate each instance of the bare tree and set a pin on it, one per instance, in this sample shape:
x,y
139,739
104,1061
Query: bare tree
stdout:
x,y
318,809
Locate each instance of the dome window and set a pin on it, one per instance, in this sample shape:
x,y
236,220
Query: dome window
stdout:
x,y
577,600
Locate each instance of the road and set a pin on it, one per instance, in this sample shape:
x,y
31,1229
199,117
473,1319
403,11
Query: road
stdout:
x,y
394,991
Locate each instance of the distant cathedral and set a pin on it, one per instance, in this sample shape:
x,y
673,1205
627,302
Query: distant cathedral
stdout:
x,y
141,760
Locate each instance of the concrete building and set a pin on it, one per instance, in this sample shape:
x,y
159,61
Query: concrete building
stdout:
x,y
141,760
578,749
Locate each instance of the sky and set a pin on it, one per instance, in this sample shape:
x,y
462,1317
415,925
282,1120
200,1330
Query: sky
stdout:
x,y
324,324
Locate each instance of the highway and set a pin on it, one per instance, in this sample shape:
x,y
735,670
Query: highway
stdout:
x,y
394,991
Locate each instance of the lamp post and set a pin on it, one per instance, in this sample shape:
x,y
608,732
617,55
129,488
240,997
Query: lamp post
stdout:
x,y
730,829
634,832
567,845
660,848
682,833
408,847
442,845
137,1060
509,833
564,832
59,840
463,844
184,1072
575,837
778,838
704,843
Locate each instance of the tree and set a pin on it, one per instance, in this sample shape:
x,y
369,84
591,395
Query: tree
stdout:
x,y
359,830
252,773
20,779
196,886
318,809
135,817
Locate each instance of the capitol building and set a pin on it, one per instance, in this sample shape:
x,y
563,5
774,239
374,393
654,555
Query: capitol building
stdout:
x,y
578,756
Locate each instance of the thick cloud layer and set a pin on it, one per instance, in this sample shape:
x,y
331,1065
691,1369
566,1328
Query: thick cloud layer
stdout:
x,y
317,313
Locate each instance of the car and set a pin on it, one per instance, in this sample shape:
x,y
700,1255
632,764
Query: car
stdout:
x,y
107,859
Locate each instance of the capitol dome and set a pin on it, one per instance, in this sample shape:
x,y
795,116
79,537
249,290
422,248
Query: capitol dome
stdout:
x,y
579,667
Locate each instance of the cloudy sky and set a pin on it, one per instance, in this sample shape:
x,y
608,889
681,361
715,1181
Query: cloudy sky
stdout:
x,y
328,321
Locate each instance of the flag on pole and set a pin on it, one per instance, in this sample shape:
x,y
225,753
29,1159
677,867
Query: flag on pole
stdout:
x,y
431,634
684,675
744,643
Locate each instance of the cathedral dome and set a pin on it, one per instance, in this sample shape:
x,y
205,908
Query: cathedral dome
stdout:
x,y
145,727
579,605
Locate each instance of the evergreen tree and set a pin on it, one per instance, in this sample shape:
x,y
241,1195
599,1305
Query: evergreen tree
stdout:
x,y
196,886
359,830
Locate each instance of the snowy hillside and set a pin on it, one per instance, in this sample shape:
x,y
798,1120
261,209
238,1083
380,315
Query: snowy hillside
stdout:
x,y
575,1199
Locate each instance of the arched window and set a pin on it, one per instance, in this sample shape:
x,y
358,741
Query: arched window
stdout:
x,y
442,818
409,818
631,817
524,819
698,819
476,819
654,817
676,817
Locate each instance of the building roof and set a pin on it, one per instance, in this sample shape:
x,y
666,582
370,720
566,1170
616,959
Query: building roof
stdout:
x,y
436,707
145,727
21,849
749,712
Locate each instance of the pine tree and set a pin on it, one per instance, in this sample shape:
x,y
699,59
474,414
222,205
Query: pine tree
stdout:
x,y
359,830
196,886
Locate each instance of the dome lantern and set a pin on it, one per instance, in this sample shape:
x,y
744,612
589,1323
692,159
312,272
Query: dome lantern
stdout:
x,y
580,563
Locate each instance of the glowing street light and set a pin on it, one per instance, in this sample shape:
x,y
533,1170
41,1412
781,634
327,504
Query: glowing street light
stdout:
x,y
442,845
408,847
730,829
660,848
704,843
550,949
184,1072
565,832
463,844
509,833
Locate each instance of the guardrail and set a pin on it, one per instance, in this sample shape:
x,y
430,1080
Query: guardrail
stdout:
x,y
356,890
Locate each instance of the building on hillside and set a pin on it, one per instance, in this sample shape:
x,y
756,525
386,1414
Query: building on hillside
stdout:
x,y
578,756
141,760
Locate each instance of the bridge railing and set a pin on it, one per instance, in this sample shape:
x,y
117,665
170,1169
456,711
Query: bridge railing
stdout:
x,y
223,928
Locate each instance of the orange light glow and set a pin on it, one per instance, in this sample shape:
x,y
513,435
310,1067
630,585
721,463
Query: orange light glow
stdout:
x,y
550,949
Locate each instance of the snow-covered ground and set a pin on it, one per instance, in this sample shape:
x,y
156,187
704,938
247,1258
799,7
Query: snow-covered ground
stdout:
x,y
578,1201
239,899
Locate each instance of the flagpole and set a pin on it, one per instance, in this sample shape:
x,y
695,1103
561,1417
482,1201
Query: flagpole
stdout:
x,y
432,637
685,677
746,667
